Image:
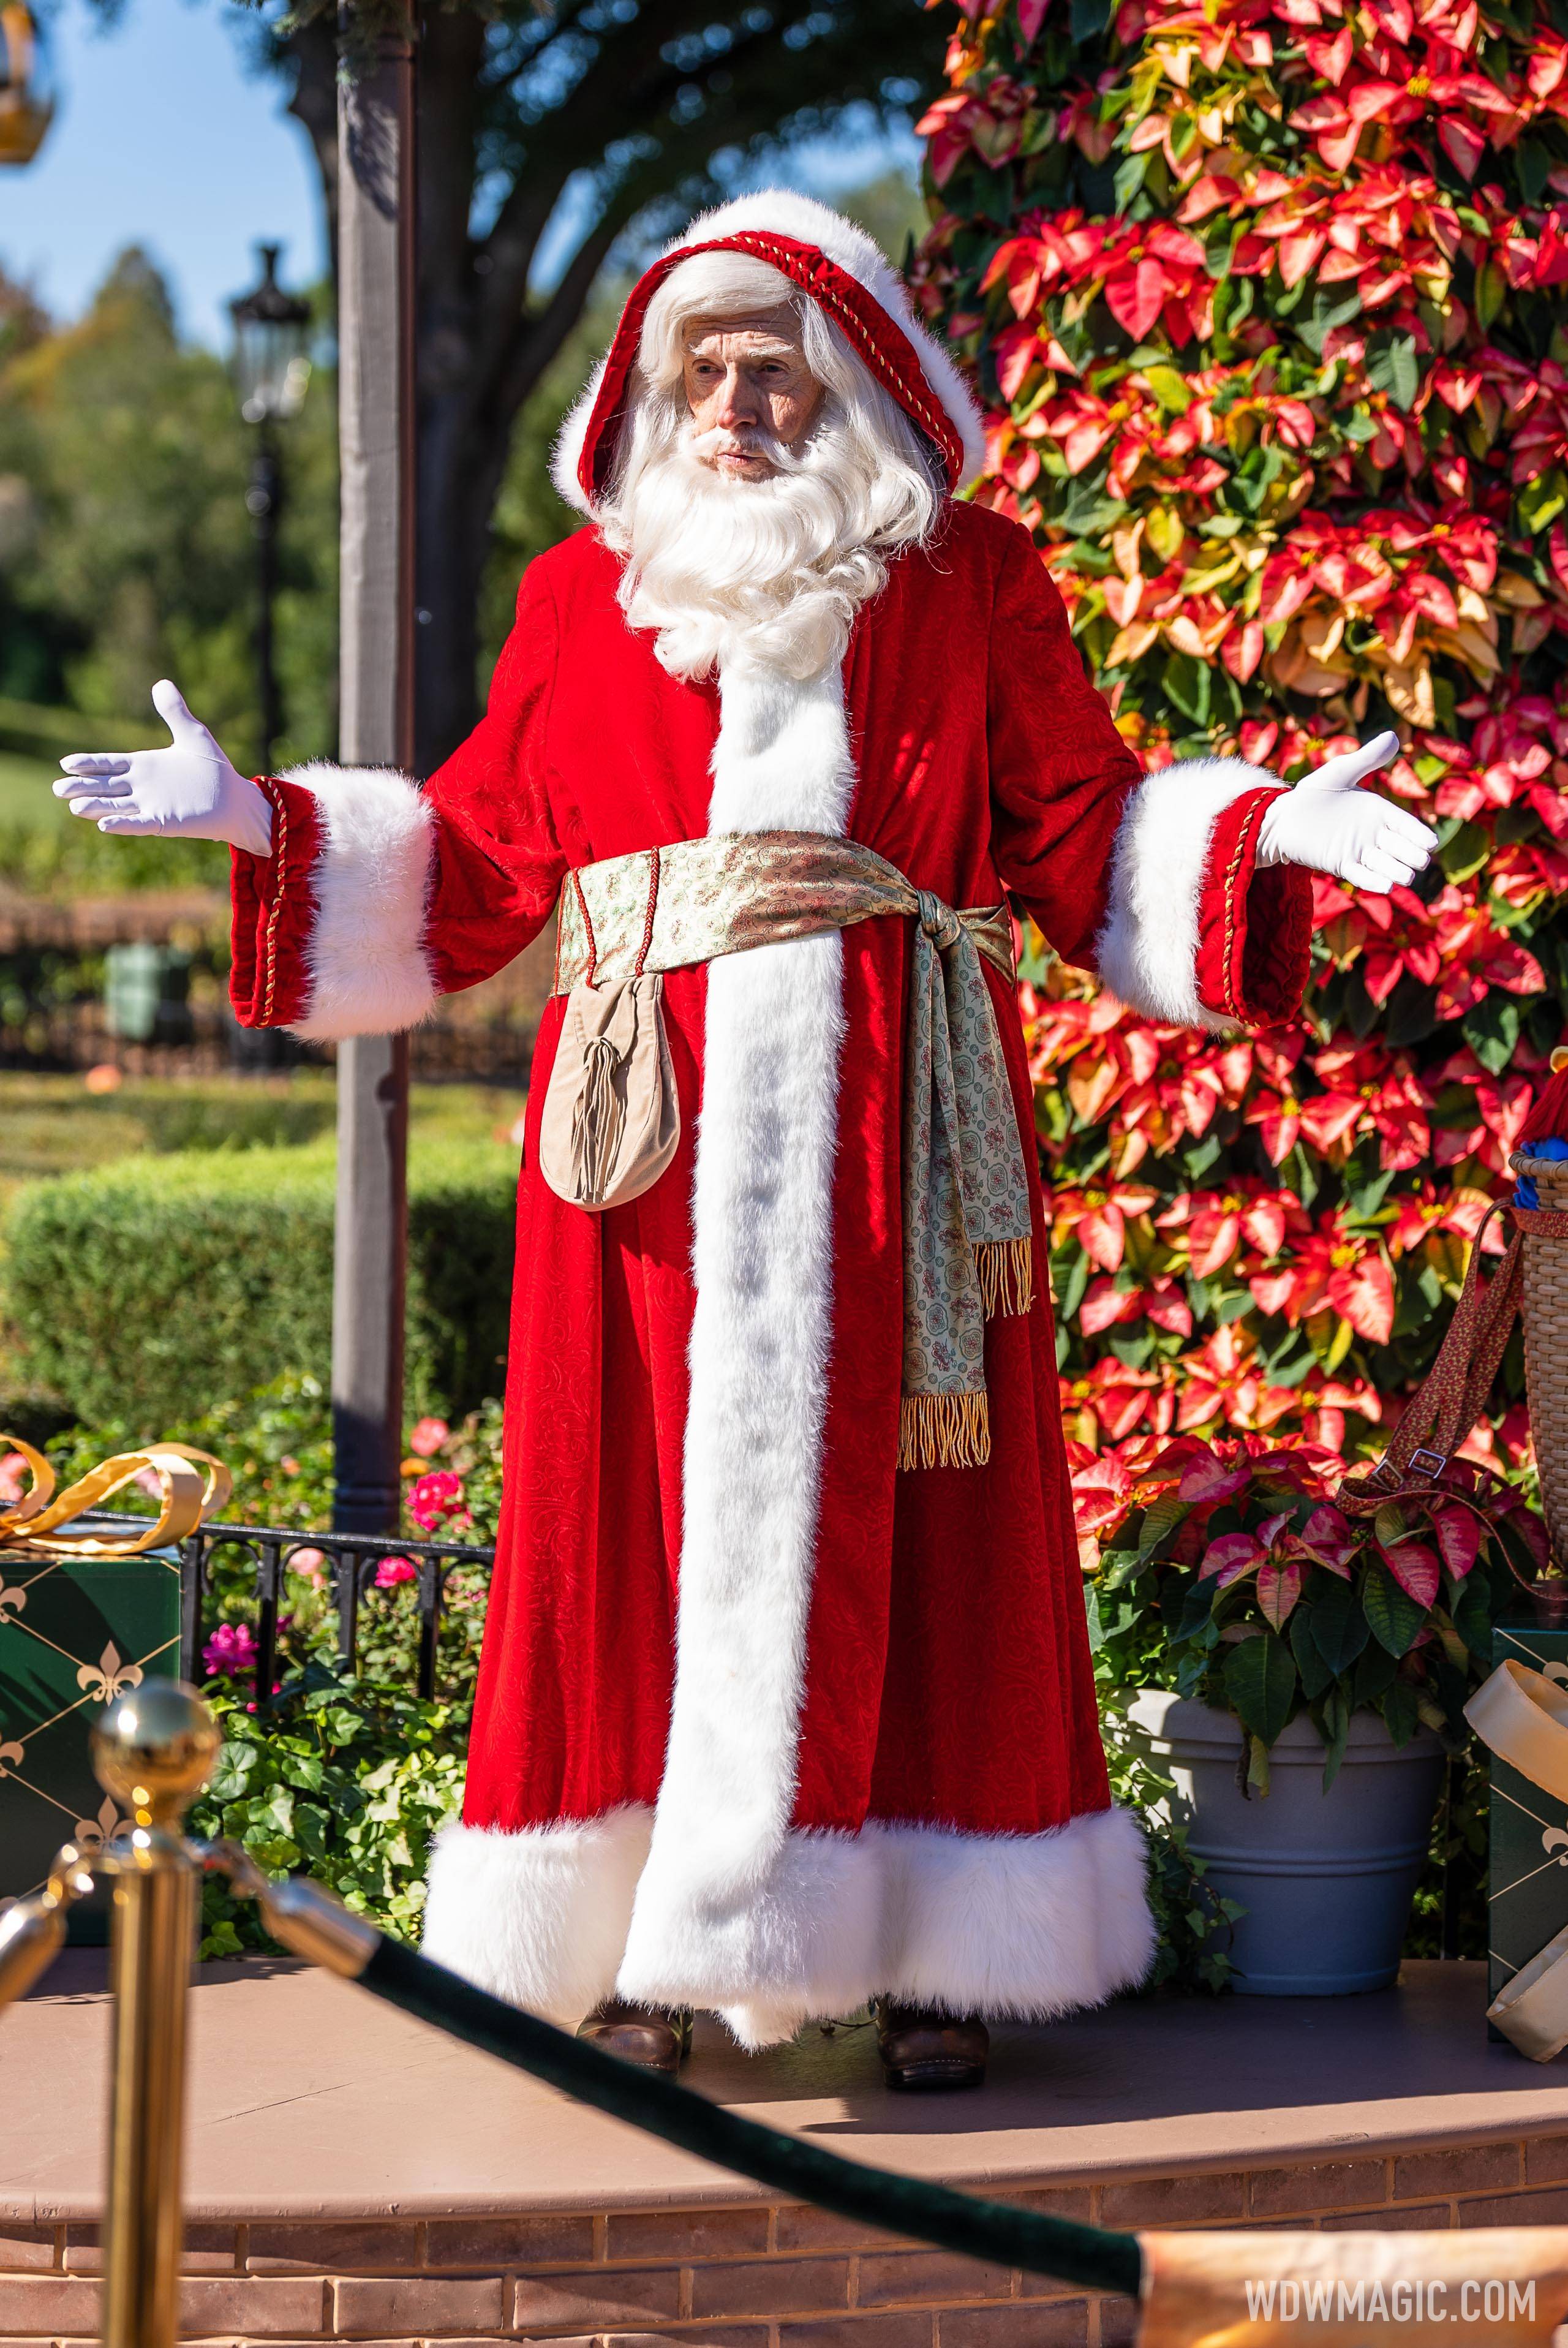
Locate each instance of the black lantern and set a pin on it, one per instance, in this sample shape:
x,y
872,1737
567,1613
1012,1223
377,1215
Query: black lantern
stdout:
x,y
272,329
27,97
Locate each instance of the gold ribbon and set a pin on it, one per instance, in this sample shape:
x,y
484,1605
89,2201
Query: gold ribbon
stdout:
x,y
1523,1718
967,1247
186,1498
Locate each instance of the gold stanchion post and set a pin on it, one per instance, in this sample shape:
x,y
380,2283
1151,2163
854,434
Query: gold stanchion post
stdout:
x,y
153,1751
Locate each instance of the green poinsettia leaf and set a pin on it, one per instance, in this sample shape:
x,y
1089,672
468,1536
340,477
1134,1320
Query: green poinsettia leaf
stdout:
x,y
1260,1682
1400,1708
1395,1618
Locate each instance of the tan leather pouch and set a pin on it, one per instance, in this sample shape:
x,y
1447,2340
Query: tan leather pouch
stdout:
x,y
612,1119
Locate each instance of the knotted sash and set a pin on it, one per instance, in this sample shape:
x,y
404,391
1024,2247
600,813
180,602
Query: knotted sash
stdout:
x,y
967,1253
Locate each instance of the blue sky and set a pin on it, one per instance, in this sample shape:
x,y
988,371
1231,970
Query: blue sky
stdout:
x,y
162,137
165,136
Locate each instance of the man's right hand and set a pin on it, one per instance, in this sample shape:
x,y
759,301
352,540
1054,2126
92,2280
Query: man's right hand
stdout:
x,y
187,792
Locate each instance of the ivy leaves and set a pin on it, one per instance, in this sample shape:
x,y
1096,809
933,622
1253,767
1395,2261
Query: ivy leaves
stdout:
x,y
346,1780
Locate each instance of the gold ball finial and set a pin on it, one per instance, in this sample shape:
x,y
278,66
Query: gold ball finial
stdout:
x,y
154,1750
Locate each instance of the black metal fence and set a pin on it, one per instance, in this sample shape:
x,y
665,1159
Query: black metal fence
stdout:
x,y
352,1559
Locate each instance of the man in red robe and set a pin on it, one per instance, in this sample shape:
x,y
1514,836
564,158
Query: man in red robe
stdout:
x,y
786,1700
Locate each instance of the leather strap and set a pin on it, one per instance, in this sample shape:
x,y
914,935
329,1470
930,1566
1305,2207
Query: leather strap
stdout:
x,y
1454,1394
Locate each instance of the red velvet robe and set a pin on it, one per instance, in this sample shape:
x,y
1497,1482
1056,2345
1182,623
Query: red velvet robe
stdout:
x,y
946,1834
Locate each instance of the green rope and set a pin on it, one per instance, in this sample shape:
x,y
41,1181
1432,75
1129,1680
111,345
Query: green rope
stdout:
x,y
1085,2255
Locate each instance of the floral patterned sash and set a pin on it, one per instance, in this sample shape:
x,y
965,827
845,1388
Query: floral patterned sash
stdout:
x,y
967,1253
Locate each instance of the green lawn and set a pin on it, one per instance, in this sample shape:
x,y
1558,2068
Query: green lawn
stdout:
x,y
33,740
25,798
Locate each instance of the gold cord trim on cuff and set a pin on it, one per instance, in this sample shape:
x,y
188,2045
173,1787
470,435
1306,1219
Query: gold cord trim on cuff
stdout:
x,y
279,855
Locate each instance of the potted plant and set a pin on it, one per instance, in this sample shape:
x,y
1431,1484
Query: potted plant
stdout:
x,y
1297,1673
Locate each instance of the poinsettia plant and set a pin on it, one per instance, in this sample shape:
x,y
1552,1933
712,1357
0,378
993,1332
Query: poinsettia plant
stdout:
x,y
1264,299
1228,1570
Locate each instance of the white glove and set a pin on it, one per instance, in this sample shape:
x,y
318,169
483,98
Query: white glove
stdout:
x,y
1330,826
188,792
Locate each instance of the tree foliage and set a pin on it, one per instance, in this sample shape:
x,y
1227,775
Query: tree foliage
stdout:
x,y
1263,299
126,551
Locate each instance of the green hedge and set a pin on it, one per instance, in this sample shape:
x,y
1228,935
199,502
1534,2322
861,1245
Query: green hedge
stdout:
x,y
152,1289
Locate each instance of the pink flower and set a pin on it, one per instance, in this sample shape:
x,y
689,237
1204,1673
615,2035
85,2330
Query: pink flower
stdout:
x,y
310,1564
427,1438
231,1650
13,1477
394,1569
436,1497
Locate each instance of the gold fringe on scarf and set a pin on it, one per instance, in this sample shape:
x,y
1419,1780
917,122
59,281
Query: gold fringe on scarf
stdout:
x,y
943,1430
1006,1271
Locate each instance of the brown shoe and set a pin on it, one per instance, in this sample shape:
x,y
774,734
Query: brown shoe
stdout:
x,y
922,2049
655,2037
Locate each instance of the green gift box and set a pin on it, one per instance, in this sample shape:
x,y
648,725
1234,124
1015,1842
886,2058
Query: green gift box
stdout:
x,y
75,1634
1527,1886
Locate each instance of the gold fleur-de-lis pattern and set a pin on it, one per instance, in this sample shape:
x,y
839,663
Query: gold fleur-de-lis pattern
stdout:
x,y
109,1677
1527,1903
76,1634
91,1834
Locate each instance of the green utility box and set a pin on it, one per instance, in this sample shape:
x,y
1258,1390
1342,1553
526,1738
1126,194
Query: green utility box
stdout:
x,y
146,994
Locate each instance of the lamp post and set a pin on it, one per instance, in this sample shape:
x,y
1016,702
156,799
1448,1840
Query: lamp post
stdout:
x,y
271,372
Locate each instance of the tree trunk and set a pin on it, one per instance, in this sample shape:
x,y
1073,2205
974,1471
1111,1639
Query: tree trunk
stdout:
x,y
458,477
458,465
314,104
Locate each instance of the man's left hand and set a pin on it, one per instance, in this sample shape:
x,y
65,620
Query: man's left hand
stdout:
x,y
1330,825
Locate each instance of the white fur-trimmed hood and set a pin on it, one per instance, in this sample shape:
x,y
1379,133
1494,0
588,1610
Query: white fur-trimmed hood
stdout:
x,y
782,212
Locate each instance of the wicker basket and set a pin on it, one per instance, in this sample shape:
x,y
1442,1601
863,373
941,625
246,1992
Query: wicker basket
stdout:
x,y
1546,1347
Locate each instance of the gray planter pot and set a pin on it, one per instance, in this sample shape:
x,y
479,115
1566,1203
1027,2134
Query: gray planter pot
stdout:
x,y
1325,1879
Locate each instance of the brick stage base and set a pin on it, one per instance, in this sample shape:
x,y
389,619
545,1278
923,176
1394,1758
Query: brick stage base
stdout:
x,y
352,2176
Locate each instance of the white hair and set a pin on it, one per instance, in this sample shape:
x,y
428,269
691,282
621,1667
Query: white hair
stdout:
x,y
770,571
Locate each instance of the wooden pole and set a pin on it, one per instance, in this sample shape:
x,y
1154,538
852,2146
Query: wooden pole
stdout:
x,y
376,437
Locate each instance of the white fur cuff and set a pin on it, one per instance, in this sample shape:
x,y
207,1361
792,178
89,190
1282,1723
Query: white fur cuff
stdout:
x,y
1147,951
368,970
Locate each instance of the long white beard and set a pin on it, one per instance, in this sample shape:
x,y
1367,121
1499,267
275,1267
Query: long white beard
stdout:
x,y
768,572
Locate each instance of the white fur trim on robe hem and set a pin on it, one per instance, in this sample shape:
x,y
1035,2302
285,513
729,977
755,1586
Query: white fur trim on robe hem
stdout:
x,y
366,954
1147,951
1011,1927
1022,1927
538,1918
762,1266
782,212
